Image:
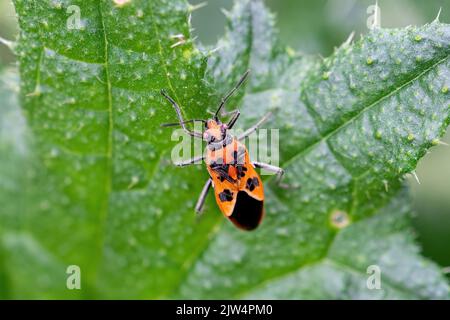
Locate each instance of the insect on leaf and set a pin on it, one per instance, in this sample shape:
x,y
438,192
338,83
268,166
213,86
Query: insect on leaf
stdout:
x,y
86,176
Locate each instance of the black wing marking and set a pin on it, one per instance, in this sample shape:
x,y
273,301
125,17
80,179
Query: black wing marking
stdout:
x,y
248,212
222,171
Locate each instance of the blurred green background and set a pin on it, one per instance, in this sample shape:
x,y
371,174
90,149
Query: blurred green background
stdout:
x,y
316,27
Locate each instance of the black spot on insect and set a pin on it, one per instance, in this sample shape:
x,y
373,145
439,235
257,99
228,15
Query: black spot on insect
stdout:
x,y
235,157
218,164
248,212
252,183
222,171
239,156
241,171
226,195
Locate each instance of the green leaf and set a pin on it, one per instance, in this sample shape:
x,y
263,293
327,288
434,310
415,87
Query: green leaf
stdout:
x,y
93,185
345,135
384,240
101,181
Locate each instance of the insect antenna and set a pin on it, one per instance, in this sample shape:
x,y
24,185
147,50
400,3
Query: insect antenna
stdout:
x,y
224,99
180,117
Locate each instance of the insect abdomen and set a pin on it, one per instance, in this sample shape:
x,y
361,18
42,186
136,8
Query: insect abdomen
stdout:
x,y
248,212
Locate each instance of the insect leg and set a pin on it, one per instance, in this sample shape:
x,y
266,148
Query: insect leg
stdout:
x,y
180,117
249,131
190,161
277,170
202,197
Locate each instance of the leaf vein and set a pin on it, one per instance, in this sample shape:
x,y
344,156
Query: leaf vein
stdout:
x,y
108,180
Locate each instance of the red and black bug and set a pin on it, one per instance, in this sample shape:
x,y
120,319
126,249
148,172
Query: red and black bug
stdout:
x,y
238,188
